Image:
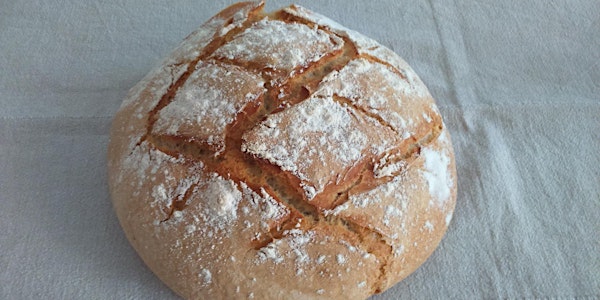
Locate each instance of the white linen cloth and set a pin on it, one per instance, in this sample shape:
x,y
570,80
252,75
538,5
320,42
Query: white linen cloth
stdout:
x,y
518,83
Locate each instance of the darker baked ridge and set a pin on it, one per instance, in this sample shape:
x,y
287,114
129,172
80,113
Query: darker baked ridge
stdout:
x,y
177,151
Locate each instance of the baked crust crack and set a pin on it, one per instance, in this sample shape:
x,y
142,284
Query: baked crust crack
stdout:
x,y
179,203
392,68
215,43
357,108
373,242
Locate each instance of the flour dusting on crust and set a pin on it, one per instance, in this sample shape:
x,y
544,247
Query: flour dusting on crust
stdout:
x,y
221,198
194,43
378,90
209,100
267,43
317,132
364,45
436,173
148,92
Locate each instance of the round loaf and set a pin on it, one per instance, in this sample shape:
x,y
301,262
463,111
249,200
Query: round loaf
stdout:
x,y
281,156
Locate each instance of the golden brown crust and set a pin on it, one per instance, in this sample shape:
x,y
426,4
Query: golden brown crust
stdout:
x,y
242,167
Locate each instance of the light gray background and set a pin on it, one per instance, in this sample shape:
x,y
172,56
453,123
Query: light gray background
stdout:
x,y
518,83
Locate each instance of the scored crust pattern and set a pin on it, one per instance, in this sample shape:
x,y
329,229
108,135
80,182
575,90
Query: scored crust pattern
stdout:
x,y
311,137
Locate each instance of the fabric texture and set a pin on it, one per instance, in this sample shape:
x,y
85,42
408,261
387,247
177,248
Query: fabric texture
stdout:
x,y
517,82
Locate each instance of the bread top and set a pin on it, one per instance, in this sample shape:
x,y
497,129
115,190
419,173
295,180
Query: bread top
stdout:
x,y
281,156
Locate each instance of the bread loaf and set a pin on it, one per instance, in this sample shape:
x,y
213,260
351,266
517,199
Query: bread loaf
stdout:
x,y
281,156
